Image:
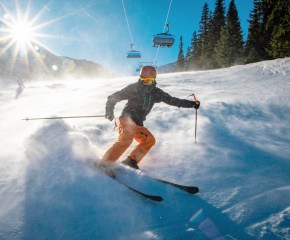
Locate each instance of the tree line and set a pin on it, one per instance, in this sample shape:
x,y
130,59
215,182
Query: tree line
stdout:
x,y
219,41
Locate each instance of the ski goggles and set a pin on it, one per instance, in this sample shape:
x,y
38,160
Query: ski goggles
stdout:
x,y
147,80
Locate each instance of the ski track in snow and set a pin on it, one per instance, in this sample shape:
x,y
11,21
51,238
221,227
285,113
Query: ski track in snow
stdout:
x,y
240,163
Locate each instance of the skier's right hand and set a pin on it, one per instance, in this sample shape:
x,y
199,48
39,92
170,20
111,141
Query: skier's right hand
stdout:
x,y
109,116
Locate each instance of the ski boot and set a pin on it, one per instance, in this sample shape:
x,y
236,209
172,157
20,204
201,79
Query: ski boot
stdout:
x,y
130,162
104,168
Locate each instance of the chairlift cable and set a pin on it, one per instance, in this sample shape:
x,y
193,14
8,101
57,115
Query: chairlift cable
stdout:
x,y
156,55
128,22
167,16
163,28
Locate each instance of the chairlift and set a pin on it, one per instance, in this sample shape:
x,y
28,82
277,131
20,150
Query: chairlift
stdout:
x,y
140,65
155,65
163,39
133,53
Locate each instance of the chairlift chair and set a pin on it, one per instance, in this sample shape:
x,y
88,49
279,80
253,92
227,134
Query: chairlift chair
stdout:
x,y
163,39
133,53
155,65
140,65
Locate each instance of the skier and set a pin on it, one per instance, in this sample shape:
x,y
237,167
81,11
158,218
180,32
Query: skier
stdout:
x,y
141,97
20,83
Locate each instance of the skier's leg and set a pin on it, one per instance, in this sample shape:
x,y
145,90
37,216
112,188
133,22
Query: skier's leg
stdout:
x,y
145,139
127,129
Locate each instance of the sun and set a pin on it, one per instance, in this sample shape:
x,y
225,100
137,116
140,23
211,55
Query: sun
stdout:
x,y
19,34
17,37
22,32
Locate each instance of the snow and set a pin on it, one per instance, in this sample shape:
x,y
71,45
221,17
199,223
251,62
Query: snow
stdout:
x,y
241,161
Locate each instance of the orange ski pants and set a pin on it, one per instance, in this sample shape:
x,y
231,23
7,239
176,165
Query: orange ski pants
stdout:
x,y
128,130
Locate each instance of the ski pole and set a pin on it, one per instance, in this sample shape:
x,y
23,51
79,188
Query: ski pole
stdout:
x,y
195,117
27,119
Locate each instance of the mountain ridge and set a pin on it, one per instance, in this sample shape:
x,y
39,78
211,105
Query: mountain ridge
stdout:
x,y
38,63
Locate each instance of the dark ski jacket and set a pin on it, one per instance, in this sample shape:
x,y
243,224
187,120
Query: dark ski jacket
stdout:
x,y
141,99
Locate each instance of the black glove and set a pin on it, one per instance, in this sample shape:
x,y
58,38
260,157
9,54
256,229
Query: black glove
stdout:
x,y
196,106
109,116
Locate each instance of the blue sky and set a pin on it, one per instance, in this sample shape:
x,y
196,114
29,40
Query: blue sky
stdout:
x,y
96,30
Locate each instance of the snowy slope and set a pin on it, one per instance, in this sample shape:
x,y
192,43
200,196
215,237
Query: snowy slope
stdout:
x,y
241,162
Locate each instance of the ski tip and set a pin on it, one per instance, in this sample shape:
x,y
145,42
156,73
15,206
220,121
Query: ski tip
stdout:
x,y
156,198
193,190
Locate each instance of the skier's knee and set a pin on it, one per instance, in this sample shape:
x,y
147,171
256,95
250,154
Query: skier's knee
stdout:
x,y
152,140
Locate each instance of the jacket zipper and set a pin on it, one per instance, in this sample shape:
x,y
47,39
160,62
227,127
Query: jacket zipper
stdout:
x,y
144,103
149,103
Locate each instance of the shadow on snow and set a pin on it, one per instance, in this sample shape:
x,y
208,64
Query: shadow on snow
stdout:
x,y
64,199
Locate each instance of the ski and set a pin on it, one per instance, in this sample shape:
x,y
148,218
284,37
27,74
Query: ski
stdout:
x,y
189,189
151,197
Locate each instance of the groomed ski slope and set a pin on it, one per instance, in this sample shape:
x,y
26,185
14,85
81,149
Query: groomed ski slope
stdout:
x,y
241,162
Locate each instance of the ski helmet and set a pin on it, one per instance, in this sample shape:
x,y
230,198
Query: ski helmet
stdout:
x,y
148,71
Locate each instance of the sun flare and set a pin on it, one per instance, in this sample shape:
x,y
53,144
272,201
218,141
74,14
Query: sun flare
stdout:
x,y
22,32
19,36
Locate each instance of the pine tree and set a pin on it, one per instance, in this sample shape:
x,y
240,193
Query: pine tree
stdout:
x,y
193,61
230,47
211,44
187,57
218,21
234,28
254,35
180,64
279,24
223,54
204,37
191,56
259,36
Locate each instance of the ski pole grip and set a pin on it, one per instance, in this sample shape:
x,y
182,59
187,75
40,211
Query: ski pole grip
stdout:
x,y
196,102
194,98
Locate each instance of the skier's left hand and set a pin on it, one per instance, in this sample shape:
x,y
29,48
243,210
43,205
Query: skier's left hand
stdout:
x,y
196,104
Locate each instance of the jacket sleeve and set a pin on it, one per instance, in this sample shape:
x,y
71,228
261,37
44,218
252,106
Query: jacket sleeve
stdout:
x,y
117,97
183,103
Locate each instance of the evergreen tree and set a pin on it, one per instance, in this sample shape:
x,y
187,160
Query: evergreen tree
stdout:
x,y
193,61
223,54
187,57
191,56
203,37
279,24
231,45
180,64
218,21
211,44
258,39
254,35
